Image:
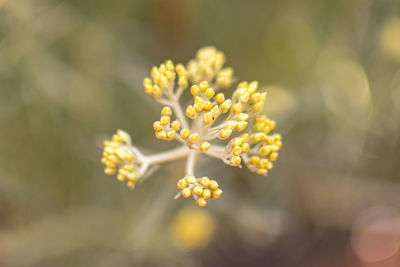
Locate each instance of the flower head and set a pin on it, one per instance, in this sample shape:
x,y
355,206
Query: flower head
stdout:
x,y
213,124
199,188
119,159
208,65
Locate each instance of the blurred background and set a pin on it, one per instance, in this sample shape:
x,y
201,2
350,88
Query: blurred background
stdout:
x,y
71,74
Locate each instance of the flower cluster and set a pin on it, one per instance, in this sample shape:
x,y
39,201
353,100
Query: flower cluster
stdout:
x,y
118,158
266,146
224,128
207,66
164,128
199,188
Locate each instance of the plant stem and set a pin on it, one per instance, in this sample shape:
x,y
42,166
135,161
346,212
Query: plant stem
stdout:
x,y
169,155
179,113
191,162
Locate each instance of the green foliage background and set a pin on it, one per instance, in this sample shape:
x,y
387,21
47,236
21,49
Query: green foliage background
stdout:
x,y
71,74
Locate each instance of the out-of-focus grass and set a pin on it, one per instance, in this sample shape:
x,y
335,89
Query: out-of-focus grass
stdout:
x,y
71,73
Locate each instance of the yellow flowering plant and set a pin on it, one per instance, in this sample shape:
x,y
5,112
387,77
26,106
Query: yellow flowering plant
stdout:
x,y
228,129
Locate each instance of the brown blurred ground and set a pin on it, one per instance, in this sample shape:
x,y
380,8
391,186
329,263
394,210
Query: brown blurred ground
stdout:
x,y
71,73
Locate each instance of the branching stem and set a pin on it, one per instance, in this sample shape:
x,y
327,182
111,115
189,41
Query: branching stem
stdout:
x,y
191,162
169,155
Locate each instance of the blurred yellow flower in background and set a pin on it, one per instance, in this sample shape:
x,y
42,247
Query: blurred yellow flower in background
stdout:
x,y
192,229
390,38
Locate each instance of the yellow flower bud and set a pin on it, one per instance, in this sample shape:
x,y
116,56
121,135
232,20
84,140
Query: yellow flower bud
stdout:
x,y
253,86
262,171
256,97
195,90
226,105
163,82
224,133
176,125
203,85
169,65
216,193
273,156
156,91
237,108
278,144
206,193
162,68
237,150
132,176
121,177
277,137
180,68
242,117
257,137
193,138
166,111
254,160
109,171
198,99
201,202
208,118
205,181
186,192
124,136
235,161
265,150
191,179
198,190
182,184
231,124
245,147
184,133
207,105
245,137
171,135
215,111
164,120
190,112
204,146
170,75
161,134
241,125
263,163
258,106
237,141
270,140
219,98
198,107
115,138
213,185
157,126
210,92
269,165
272,124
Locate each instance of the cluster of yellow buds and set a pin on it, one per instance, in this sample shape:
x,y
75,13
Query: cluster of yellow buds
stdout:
x,y
207,107
211,124
206,100
118,158
163,79
200,188
207,66
266,146
164,128
235,148
182,76
250,99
